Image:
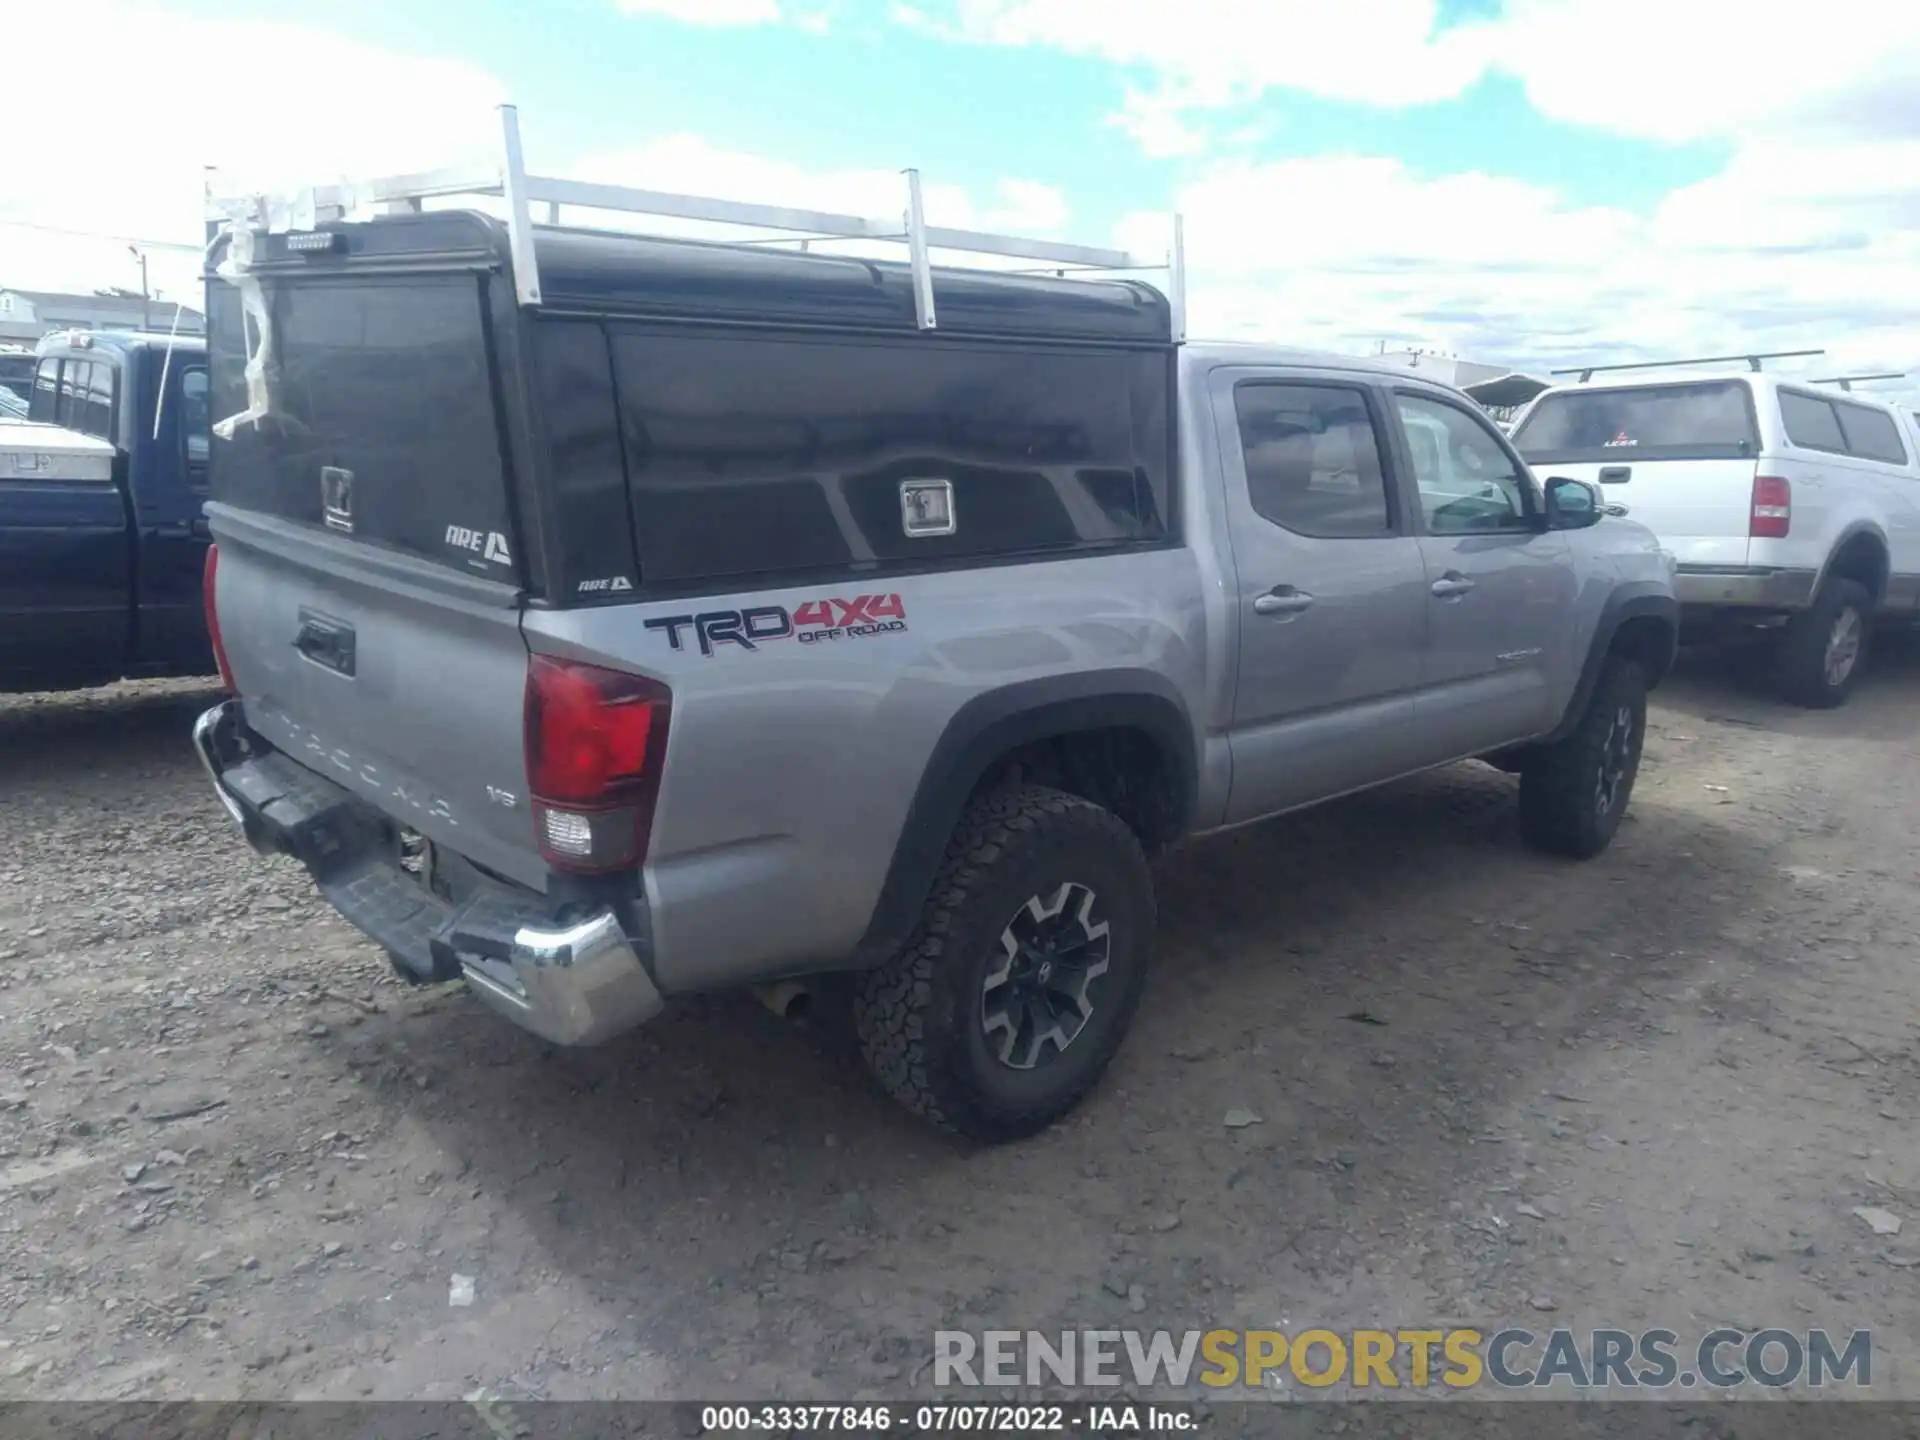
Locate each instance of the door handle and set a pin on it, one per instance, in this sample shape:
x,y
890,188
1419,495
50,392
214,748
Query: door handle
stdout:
x,y
1282,600
326,641
1451,586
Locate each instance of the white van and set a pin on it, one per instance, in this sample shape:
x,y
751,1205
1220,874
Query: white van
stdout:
x,y
1786,505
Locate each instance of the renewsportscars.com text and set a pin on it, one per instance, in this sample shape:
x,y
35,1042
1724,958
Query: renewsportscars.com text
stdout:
x,y
1454,1358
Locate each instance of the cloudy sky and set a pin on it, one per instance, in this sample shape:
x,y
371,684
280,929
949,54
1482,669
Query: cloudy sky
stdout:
x,y
1532,182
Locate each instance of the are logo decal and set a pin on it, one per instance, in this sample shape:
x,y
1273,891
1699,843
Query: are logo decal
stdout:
x,y
813,623
488,544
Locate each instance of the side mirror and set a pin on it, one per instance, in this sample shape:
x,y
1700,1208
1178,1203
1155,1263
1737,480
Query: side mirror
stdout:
x,y
1573,504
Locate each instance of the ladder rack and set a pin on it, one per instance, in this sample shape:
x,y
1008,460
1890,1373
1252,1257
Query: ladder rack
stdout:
x,y
1587,372
1847,382
509,181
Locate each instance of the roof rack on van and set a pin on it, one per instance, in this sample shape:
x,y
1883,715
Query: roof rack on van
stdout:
x,y
1847,382
1587,372
509,180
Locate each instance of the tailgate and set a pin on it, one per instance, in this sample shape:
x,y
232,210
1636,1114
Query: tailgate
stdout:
x,y
1680,455
1700,509
368,597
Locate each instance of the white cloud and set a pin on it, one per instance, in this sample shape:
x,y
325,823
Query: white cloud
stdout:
x,y
1859,197
1686,69
1027,207
1809,236
1806,238
273,105
707,12
1658,69
1157,121
1384,51
400,112
1789,248
1202,55
1248,218
816,16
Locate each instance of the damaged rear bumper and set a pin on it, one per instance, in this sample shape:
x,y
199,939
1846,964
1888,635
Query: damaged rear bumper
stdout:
x,y
578,982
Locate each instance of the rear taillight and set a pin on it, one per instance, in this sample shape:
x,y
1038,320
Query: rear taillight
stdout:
x,y
1772,508
209,579
596,742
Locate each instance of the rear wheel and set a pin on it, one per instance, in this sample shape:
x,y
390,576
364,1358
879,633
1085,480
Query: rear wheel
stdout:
x,y
1017,986
1574,792
1824,647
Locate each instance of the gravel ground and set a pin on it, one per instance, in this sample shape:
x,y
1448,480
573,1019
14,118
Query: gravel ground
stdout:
x,y
238,1160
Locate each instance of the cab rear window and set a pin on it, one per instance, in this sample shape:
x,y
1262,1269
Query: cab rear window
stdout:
x,y
76,393
1709,421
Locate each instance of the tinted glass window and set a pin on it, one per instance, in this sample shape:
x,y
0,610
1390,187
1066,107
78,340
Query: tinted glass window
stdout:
x,y
1871,434
1313,460
1467,481
46,388
195,423
756,454
387,381
73,386
586,472
1810,421
1712,420
16,374
93,399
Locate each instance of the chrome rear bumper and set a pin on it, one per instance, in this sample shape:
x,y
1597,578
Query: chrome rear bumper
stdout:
x,y
577,986
573,984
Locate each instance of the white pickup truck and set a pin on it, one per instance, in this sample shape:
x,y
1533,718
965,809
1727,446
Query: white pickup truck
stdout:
x,y
1788,506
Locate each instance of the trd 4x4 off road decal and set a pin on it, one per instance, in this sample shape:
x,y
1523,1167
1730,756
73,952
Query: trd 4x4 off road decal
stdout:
x,y
814,622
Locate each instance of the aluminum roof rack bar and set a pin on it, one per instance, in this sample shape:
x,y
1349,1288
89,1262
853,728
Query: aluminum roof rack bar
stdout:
x,y
917,250
1177,278
1847,382
1587,372
521,192
513,180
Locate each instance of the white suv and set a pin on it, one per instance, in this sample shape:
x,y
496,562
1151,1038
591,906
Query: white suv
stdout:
x,y
1786,505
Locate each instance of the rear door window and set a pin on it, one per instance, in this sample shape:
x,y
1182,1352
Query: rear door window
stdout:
x,y
1710,420
1871,434
1312,456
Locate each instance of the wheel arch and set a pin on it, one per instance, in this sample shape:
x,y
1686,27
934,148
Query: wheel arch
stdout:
x,y
1640,621
996,733
1862,554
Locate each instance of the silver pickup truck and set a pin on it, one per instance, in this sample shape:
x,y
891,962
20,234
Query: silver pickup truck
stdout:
x,y
699,617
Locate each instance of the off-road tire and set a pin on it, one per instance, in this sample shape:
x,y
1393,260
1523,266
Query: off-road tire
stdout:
x,y
919,1015
1561,788
1800,664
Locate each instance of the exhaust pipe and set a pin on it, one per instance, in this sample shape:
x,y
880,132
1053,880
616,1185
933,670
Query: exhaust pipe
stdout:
x,y
789,999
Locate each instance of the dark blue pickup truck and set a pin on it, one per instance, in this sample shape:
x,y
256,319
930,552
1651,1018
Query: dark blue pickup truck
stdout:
x,y
102,549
